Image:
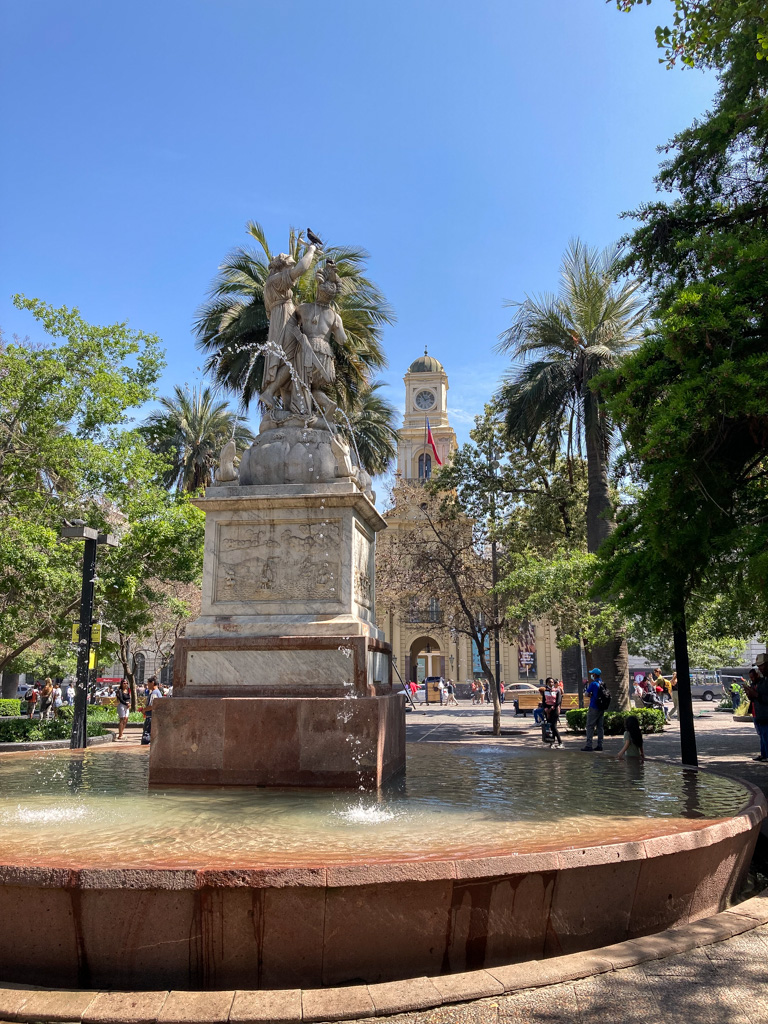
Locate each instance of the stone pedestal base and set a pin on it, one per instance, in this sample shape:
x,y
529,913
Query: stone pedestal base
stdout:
x,y
333,742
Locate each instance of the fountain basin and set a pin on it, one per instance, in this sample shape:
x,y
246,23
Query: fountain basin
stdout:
x,y
481,857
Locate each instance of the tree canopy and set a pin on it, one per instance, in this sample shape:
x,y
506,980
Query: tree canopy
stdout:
x,y
189,430
700,29
68,451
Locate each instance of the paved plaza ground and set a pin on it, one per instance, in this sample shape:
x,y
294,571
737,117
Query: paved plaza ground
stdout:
x,y
724,745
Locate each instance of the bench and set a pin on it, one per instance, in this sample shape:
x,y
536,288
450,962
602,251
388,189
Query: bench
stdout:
x,y
529,701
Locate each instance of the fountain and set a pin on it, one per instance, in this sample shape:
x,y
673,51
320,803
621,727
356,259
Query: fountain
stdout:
x,y
285,679
271,837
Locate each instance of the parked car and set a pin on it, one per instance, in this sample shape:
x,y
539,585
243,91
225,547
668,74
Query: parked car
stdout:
x,y
707,691
519,688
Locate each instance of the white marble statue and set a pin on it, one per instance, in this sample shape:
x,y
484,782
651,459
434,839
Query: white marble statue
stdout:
x,y
284,272
312,325
226,472
344,467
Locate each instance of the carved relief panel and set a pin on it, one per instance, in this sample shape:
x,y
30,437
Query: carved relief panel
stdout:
x,y
279,560
362,563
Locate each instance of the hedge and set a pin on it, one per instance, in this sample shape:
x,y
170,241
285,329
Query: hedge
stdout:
x,y
97,713
650,719
10,708
28,730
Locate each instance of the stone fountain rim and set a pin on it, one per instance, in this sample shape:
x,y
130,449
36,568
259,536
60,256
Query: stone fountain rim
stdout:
x,y
294,1006
392,871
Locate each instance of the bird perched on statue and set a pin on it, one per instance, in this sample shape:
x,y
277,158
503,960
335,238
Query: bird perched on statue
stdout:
x,y
314,239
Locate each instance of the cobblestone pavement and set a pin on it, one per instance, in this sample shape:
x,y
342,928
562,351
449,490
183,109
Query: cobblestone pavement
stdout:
x,y
726,983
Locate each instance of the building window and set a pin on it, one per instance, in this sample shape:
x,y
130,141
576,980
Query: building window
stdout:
x,y
434,609
425,467
166,673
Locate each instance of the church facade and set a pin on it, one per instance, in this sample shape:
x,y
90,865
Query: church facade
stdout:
x,y
422,644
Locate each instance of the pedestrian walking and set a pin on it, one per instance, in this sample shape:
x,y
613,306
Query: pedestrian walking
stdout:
x,y
70,694
675,697
58,699
155,693
599,701
33,696
451,691
46,699
757,691
735,693
123,707
553,699
502,688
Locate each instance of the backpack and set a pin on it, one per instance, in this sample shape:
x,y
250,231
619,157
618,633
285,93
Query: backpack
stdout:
x,y
603,697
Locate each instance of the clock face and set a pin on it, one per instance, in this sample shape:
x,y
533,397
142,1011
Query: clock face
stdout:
x,y
425,399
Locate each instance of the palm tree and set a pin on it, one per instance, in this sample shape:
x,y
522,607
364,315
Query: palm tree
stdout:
x,y
232,324
372,426
569,339
190,429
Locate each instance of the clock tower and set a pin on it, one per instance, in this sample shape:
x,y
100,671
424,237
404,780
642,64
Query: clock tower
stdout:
x,y
426,398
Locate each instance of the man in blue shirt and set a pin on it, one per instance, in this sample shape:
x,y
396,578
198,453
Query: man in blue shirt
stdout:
x,y
595,715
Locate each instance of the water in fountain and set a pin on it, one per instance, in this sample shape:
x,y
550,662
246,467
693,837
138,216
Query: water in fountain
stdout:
x,y
94,808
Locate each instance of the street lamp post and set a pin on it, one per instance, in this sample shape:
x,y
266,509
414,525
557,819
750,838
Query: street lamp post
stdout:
x,y
494,465
92,540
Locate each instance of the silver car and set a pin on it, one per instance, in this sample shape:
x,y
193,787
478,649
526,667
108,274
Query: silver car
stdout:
x,y
709,690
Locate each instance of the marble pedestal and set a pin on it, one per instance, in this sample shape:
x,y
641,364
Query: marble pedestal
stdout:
x,y
337,742
284,679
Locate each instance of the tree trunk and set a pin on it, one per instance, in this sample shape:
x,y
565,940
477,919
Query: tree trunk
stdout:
x,y
613,661
125,659
613,658
493,686
688,753
599,510
10,685
571,658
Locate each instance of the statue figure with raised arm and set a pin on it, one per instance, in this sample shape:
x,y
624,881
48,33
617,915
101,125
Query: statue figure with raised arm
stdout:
x,y
312,325
284,272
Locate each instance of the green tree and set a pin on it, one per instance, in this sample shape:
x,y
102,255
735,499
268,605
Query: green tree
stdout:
x,y
161,543
65,453
372,427
189,430
592,324
232,325
691,399
701,29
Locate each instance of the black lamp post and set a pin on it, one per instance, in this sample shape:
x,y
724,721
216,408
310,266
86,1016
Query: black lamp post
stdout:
x,y
493,465
92,540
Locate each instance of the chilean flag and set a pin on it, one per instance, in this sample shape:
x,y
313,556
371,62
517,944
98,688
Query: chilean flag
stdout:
x,y
431,443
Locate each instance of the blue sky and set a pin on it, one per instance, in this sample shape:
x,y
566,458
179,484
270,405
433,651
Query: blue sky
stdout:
x,y
462,144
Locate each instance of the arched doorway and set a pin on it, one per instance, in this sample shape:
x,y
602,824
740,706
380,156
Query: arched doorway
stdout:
x,y
426,658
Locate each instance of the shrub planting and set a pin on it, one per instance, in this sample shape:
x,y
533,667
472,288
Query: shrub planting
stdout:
x,y
650,719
